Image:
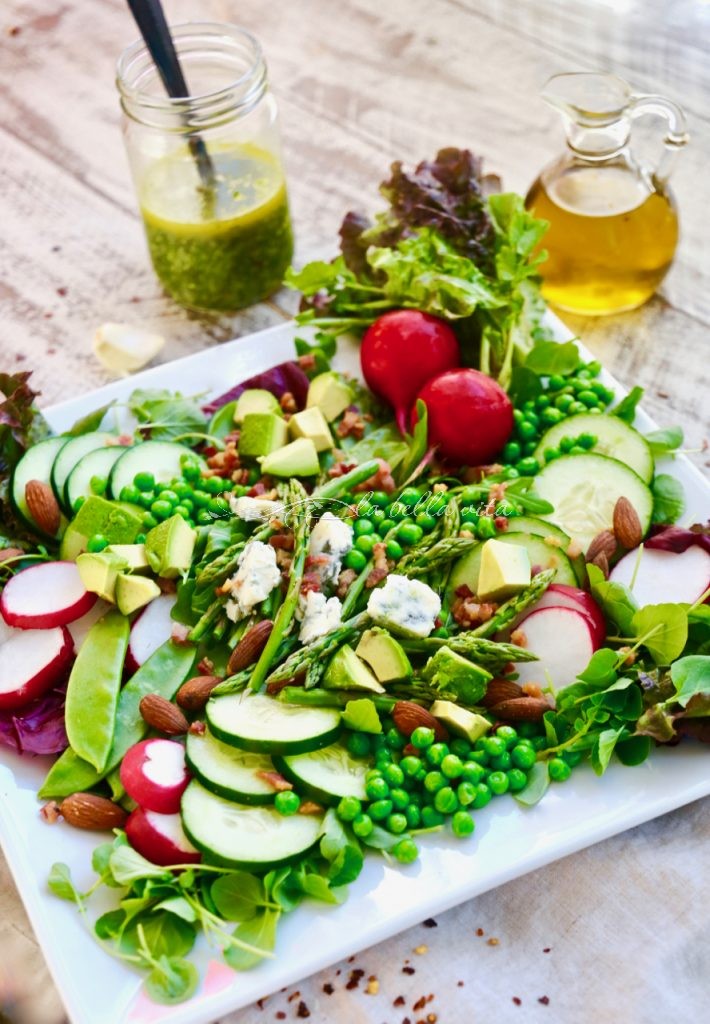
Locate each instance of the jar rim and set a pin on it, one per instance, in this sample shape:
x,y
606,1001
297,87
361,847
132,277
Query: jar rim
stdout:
x,y
237,96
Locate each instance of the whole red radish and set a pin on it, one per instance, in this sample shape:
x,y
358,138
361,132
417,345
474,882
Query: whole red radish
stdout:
x,y
470,416
401,351
32,661
160,838
155,775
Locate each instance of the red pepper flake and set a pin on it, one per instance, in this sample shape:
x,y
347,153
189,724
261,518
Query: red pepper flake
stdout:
x,y
547,949
294,995
460,984
408,970
328,988
420,1004
430,923
399,1001
280,1015
303,1010
260,1002
545,1000
517,1001
61,292
480,931
354,979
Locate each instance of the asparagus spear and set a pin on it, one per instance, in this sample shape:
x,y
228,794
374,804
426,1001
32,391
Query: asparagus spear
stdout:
x,y
232,684
421,562
486,653
341,484
320,649
208,620
516,605
221,567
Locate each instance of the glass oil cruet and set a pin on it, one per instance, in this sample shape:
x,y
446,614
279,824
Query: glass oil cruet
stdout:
x,y
613,223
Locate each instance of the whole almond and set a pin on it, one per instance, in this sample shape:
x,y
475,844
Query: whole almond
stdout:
x,y
603,544
162,715
250,646
601,562
500,690
521,709
95,813
42,506
408,716
627,525
194,694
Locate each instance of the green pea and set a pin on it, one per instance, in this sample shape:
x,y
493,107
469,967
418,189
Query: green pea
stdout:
x,y
348,808
96,543
511,473
218,507
576,408
542,402
452,766
377,789
405,851
462,824
377,517
363,527
203,517
466,793
180,510
551,454
498,783
140,538
527,430
149,521
410,496
470,515
365,544
588,398
161,509
469,529
287,803
169,495
479,757
399,798
517,780
446,801
182,489
483,796
213,484
380,499
144,481
434,781
523,756
380,809
508,734
396,823
422,737
393,775
356,560
413,815
559,770
494,746
577,450
363,826
410,765
146,499
518,416
473,772
502,763
436,753
566,444
426,522
130,494
409,534
511,452
587,440
358,744
552,415
201,499
556,382
528,466
563,403
431,817
385,527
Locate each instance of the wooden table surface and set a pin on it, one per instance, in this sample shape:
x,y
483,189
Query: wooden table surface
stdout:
x,y
360,83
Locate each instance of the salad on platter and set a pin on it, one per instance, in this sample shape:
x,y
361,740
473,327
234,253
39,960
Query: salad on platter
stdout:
x,y
268,633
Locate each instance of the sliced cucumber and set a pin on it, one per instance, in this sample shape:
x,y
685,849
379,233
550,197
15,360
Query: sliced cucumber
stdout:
x,y
543,555
263,724
222,422
235,835
69,455
325,775
100,462
540,528
583,489
229,771
615,438
161,458
35,464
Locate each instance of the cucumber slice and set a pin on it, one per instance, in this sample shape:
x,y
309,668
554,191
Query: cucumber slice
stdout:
x,y
35,464
265,725
325,775
540,528
584,489
234,835
615,438
100,462
222,422
69,455
161,458
543,555
228,771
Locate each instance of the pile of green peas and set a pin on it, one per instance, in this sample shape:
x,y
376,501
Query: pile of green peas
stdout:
x,y
562,397
401,523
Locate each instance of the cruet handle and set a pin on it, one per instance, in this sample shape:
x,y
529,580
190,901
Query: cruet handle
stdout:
x,y
676,134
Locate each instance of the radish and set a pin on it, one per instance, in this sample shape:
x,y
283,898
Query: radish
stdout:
x,y
150,631
45,595
401,351
664,576
154,774
160,838
558,595
470,416
80,627
563,641
31,663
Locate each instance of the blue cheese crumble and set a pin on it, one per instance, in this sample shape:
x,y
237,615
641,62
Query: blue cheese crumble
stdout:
x,y
405,606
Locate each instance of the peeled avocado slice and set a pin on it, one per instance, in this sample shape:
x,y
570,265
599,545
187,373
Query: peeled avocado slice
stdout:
x,y
347,672
169,547
504,571
134,592
385,656
133,554
256,400
459,720
114,520
262,433
99,572
312,423
299,458
331,394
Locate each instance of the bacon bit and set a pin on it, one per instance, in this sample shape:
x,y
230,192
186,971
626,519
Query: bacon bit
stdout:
x,y
294,995
311,582
493,942
223,463
275,780
408,970
179,633
519,638
167,586
328,989
421,950
354,979
258,490
420,1004
399,1001
517,1001
464,591
430,923
280,1015
240,476
288,402
382,480
283,560
381,568
373,987
469,612
410,750
532,690
501,523
307,362
547,949
574,549
50,812
310,807
317,562
346,578
545,1000
205,667
351,425
303,1010
197,729
480,932
340,469
282,541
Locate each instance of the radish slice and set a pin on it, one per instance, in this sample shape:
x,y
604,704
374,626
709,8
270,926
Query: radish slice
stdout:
x,y
150,630
155,775
665,576
559,595
45,595
160,838
562,639
31,663
81,627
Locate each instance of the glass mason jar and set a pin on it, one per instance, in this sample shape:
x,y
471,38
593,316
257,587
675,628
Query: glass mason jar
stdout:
x,y
207,169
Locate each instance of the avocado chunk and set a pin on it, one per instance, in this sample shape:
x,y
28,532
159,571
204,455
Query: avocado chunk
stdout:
x,y
385,656
330,393
459,720
261,433
169,547
99,572
313,424
449,672
134,592
256,400
347,672
133,554
115,521
504,571
299,458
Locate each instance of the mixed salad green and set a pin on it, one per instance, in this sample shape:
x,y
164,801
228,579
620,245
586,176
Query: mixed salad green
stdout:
x,y
271,633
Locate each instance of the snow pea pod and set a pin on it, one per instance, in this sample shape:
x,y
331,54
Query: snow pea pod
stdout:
x,y
163,673
93,688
